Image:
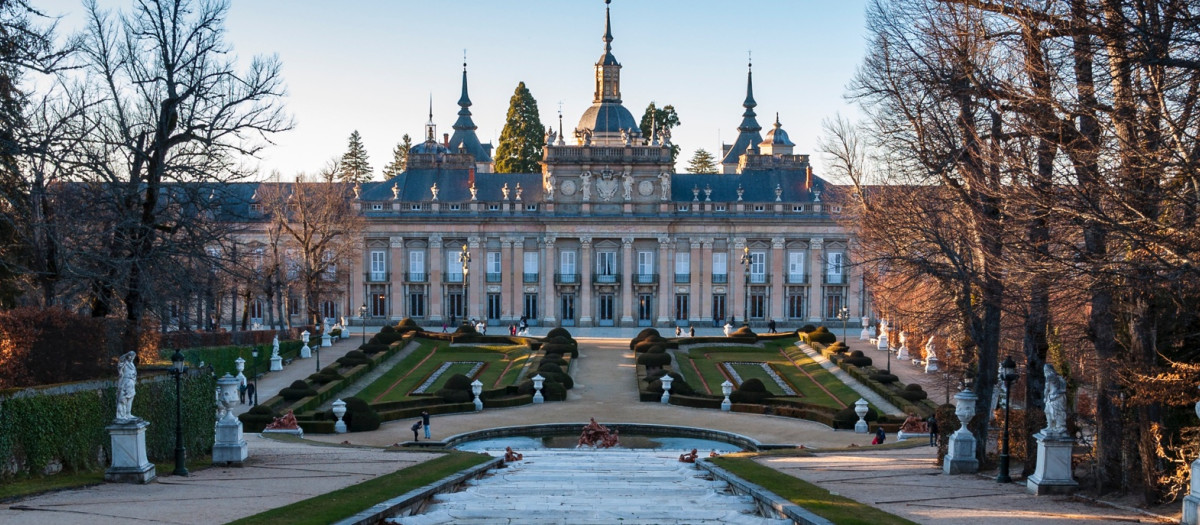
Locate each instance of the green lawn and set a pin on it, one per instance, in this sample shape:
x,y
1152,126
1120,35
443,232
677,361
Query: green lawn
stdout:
x,y
409,373
813,384
340,504
838,509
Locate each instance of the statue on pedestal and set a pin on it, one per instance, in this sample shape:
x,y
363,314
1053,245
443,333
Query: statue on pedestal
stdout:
x,y
1056,403
126,387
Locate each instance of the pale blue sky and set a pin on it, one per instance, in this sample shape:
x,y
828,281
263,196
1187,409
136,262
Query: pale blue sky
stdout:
x,y
372,65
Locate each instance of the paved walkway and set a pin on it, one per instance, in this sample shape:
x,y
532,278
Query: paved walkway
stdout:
x,y
899,481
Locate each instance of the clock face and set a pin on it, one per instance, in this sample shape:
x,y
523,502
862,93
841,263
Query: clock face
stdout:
x,y
645,187
568,187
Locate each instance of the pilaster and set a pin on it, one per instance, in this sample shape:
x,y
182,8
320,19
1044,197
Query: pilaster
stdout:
x,y
778,284
549,269
737,301
816,276
697,313
585,266
396,272
508,279
629,273
477,290
437,288
666,281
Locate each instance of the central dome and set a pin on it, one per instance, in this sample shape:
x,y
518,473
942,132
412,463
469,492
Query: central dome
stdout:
x,y
607,117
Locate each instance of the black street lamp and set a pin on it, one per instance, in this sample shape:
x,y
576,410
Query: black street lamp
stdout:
x,y
844,315
178,368
1008,374
464,257
746,286
254,372
362,313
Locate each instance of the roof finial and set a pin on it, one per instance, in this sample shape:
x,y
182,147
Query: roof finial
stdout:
x,y
464,101
749,103
607,28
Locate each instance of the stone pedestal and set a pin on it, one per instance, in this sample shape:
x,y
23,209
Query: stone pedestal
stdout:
x,y
883,342
326,340
1053,474
960,457
931,365
902,354
276,363
1191,502
129,463
902,435
305,352
230,447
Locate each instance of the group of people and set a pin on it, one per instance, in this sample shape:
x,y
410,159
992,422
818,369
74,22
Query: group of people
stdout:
x,y
691,331
520,329
421,423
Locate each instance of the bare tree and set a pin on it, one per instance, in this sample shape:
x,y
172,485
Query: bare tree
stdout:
x,y
173,116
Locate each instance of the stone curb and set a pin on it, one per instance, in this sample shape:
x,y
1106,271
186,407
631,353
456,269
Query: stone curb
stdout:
x,y
389,508
765,498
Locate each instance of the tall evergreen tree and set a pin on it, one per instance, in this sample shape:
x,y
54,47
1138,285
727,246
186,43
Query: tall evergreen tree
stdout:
x,y
521,141
354,167
656,119
702,162
399,158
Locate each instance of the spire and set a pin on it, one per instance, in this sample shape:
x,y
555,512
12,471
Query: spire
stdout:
x,y
607,28
608,70
464,121
464,101
464,139
748,121
430,127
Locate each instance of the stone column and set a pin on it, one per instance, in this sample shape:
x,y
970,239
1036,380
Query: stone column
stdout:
x,y
396,271
433,268
506,280
696,315
357,291
547,278
854,291
778,283
585,264
705,288
629,273
735,301
816,277
666,282
478,287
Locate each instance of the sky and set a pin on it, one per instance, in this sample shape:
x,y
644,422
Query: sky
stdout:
x,y
373,66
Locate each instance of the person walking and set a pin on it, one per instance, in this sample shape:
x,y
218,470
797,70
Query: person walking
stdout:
x,y
678,331
251,394
691,331
933,430
425,422
416,427
771,325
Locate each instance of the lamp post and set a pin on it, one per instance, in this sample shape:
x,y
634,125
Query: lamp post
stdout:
x,y
844,315
1008,374
362,314
464,257
746,285
254,372
178,368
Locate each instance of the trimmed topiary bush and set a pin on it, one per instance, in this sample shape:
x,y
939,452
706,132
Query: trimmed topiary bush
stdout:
x,y
298,390
353,358
884,378
458,382
823,336
387,338
857,358
750,391
678,386
559,331
837,347
744,331
406,325
913,392
360,417
466,329
644,334
648,343
372,348
650,360
258,416
551,390
808,329
846,418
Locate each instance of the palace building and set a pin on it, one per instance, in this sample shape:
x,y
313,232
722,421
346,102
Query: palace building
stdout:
x,y
608,234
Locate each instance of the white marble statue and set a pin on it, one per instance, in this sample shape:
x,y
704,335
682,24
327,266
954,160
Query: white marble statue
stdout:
x,y
357,190
627,185
474,191
275,345
1056,403
586,194
551,136
930,349
548,187
664,180
126,387
519,190
504,191
395,190
434,190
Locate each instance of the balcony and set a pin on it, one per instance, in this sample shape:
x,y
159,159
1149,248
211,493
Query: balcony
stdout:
x,y
566,278
836,279
377,277
452,277
797,278
720,278
416,277
529,278
758,278
493,277
646,278
605,278
683,278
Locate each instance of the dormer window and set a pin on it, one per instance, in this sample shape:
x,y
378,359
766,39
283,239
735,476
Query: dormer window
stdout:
x,y
798,208
531,207
719,207
760,207
455,207
415,207
493,207
683,207
377,207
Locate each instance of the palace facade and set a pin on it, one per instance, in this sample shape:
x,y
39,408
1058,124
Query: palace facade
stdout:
x,y
608,234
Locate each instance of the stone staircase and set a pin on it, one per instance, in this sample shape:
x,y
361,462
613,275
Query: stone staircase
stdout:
x,y
592,487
